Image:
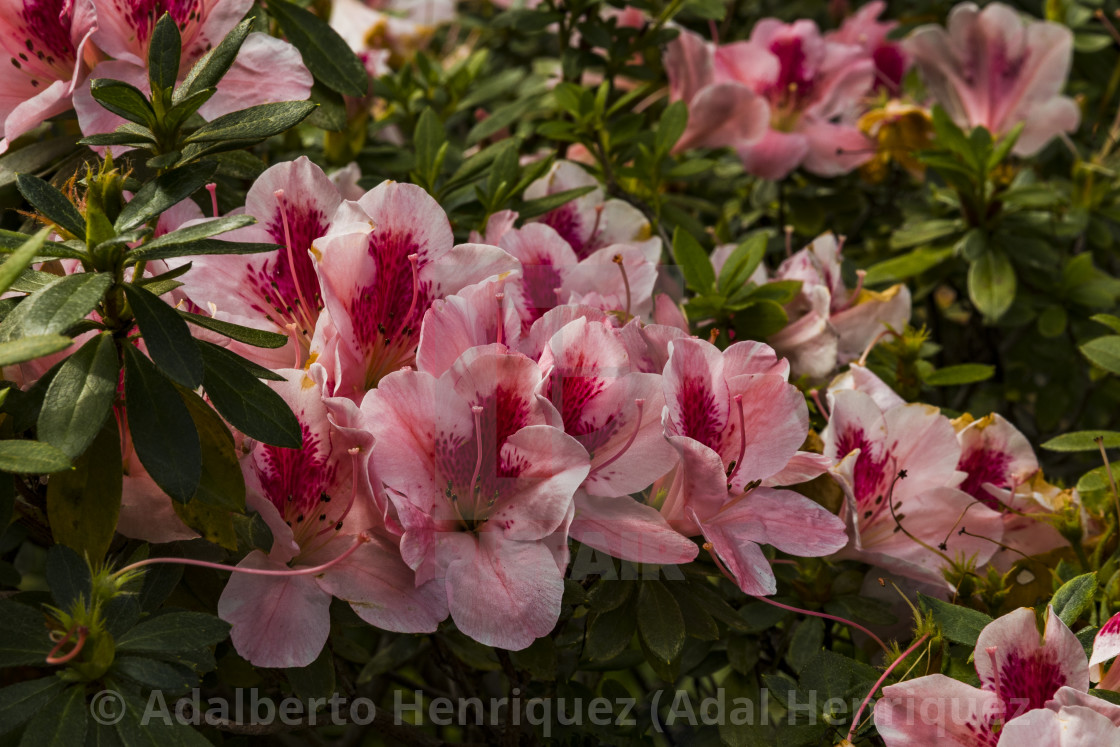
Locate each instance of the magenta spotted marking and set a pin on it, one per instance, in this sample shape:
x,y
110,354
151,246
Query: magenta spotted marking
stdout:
x,y
540,283
296,480
45,52
571,391
794,83
870,466
1027,682
700,419
276,282
1112,627
567,222
503,413
142,15
378,311
985,465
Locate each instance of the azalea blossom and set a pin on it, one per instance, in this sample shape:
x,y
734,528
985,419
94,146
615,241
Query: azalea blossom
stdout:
x,y
48,56
1019,671
812,87
397,28
482,478
383,261
266,69
317,500
831,324
1106,647
996,69
897,467
279,291
737,424
864,29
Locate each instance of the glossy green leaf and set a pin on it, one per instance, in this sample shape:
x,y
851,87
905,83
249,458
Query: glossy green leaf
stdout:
x,y
214,64
249,405
742,262
163,192
26,640
80,396
31,457
193,233
1104,352
29,348
21,701
965,373
83,504
163,432
660,623
958,624
124,100
693,261
326,54
992,284
174,632
222,484
52,204
62,722
167,337
253,124
1083,441
68,577
1075,597
55,308
17,262
164,51
542,205
257,337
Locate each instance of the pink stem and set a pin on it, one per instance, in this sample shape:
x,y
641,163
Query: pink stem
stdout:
x,y
360,540
875,689
826,616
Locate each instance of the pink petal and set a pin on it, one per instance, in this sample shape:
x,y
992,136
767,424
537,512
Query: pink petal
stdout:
x,y
469,318
1074,726
278,621
936,710
624,528
724,115
775,155
1106,646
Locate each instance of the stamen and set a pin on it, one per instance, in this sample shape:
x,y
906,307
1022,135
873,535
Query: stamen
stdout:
x,y
293,328
789,241
816,395
212,188
617,259
713,335
882,679
306,308
640,403
336,524
499,297
742,439
359,540
871,345
53,657
860,275
477,410
991,651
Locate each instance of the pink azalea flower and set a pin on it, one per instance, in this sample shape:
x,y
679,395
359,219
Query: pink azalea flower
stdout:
x,y
871,446
1003,475
482,479
614,411
293,203
1066,725
552,273
812,87
592,222
316,500
479,314
993,68
711,397
266,69
864,30
830,324
1019,671
45,43
399,27
1106,647
383,261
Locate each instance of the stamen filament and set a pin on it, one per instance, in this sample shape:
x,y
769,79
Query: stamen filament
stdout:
x,y
477,411
816,395
499,297
882,679
641,403
625,280
305,308
53,657
212,188
742,439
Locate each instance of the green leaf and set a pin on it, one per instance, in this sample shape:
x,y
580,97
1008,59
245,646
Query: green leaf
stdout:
x,y
52,204
83,504
542,205
29,348
1075,597
991,284
164,51
26,639
671,126
253,124
162,429
958,624
193,233
316,680
965,373
167,337
1083,441
80,396
124,100
660,623
760,320
742,263
174,632
326,54
212,66
1104,352
693,261
427,141
924,232
68,577
31,458
906,266
56,307
62,722
609,633
222,484
154,674
249,405
1110,321
18,260
21,701
257,337
198,248
163,192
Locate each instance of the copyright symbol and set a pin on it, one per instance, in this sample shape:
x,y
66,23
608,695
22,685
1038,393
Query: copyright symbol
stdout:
x,y
107,707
